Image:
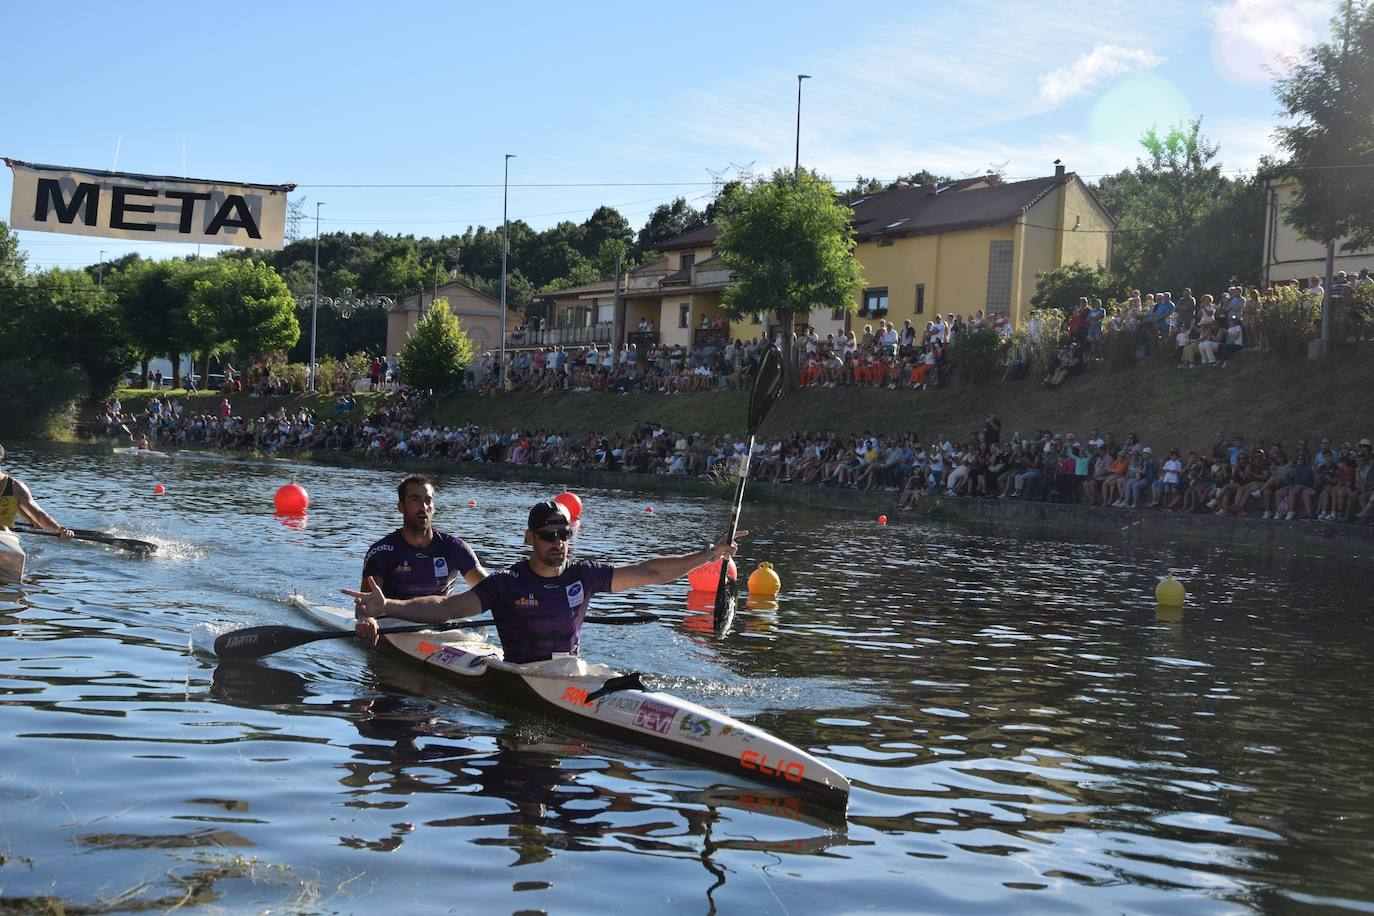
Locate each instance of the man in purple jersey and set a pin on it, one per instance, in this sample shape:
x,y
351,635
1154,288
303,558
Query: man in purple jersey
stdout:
x,y
539,603
417,559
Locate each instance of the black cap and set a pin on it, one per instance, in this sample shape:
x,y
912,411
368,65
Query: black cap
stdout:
x,y
548,512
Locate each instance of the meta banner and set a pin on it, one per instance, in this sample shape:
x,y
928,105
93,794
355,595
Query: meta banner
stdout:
x,y
154,208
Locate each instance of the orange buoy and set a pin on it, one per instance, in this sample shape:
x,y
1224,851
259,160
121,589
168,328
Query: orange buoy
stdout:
x,y
706,577
159,489
291,499
764,581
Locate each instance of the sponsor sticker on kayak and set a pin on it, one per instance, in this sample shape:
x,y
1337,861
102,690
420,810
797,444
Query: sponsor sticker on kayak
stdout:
x,y
655,716
697,728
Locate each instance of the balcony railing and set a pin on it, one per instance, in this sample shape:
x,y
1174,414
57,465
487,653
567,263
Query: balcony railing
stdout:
x,y
561,337
642,340
710,337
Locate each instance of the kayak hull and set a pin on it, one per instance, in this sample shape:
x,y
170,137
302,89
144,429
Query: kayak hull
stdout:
x,y
568,686
11,557
141,452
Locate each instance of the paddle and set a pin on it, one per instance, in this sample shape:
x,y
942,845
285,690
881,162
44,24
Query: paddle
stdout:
x,y
767,388
99,537
256,642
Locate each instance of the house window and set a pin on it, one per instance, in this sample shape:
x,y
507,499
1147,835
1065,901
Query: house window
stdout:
x,y
920,298
688,259
758,318
837,314
684,314
999,277
875,302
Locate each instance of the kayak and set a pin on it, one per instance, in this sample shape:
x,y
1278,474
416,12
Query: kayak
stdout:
x,y
591,694
11,557
141,452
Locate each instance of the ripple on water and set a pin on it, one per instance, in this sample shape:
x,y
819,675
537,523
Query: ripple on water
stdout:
x,y
1023,733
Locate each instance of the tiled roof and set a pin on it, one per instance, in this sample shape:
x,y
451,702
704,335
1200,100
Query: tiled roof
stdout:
x,y
963,204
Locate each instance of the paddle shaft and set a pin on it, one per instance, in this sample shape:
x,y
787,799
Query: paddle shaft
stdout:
x,y
256,642
99,537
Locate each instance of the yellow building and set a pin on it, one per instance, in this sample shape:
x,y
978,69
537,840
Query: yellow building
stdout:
x,y
1288,256
479,313
951,250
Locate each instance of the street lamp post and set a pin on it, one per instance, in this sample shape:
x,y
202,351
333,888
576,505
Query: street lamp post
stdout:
x,y
505,230
796,162
100,272
315,300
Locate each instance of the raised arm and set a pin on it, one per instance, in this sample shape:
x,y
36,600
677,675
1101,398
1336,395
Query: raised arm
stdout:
x,y
666,569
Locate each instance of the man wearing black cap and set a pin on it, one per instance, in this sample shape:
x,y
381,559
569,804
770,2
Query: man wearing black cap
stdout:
x,y
539,603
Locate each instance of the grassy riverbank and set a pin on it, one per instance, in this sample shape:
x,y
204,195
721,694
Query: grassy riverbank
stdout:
x,y
1258,396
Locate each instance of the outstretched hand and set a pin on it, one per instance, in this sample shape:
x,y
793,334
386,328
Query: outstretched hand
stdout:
x,y
367,606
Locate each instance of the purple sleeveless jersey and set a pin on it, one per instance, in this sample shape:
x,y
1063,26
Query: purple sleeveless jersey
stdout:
x,y
409,572
537,617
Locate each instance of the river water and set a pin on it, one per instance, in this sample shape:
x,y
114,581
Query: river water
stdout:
x,y
1025,732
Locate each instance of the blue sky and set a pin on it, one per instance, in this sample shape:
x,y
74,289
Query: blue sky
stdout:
x,y
636,102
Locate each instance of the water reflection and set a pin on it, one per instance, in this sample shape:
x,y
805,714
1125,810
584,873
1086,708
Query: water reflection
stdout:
x,y
1025,729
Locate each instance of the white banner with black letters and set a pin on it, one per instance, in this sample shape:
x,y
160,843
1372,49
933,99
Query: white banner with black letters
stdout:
x,y
154,208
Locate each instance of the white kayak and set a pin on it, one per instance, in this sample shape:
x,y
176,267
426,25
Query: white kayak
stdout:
x,y
11,557
141,452
570,686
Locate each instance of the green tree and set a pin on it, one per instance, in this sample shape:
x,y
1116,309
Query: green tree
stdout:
x,y
13,262
1161,202
437,351
242,307
790,245
152,298
61,318
1330,98
665,222
1062,287
864,185
924,178
604,225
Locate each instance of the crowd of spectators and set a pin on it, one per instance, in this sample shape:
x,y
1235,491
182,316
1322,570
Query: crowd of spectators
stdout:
x,y
1232,477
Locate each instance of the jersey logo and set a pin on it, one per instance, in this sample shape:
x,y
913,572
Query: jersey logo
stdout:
x,y
574,592
440,568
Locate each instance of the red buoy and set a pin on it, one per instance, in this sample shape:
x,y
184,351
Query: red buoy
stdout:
x,y
573,503
159,489
706,577
291,499
882,520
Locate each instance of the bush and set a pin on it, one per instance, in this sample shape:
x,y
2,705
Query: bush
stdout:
x,y
40,394
437,351
1285,326
979,355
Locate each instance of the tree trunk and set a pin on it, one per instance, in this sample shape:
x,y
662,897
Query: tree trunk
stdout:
x,y
176,370
143,383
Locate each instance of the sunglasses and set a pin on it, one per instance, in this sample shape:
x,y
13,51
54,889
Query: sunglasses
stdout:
x,y
557,534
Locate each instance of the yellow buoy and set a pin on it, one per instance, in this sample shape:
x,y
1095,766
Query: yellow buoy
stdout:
x,y
764,581
1169,592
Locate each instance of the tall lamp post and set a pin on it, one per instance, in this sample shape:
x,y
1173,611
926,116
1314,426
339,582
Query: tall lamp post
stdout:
x,y
315,300
796,162
505,230
100,272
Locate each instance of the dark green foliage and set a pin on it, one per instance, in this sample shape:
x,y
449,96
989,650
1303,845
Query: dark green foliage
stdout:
x,y
1062,287
437,352
1180,221
979,356
39,393
790,245
1330,97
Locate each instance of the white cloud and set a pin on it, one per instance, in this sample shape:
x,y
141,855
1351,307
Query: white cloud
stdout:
x,y
1251,38
1102,63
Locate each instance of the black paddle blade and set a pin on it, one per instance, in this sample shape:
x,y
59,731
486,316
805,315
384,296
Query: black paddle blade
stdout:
x,y
727,598
255,642
767,388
